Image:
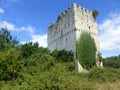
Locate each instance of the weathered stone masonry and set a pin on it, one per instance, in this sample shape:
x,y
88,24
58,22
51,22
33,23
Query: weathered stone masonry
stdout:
x,y
64,33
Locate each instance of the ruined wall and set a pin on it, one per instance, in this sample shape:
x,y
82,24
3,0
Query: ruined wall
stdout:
x,y
64,33
84,21
61,34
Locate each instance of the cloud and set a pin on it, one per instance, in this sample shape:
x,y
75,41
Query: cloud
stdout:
x,y
12,27
110,32
1,11
41,39
7,25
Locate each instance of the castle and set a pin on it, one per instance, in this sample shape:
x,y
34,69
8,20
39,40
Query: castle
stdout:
x,y
64,33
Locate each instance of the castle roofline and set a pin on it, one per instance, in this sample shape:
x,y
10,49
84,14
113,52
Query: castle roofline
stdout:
x,y
72,6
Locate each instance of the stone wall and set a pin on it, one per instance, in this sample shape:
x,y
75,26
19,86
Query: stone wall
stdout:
x,y
64,33
84,21
61,34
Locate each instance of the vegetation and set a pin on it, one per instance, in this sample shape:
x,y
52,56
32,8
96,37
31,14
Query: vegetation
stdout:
x,y
62,55
113,61
6,40
86,50
95,13
42,70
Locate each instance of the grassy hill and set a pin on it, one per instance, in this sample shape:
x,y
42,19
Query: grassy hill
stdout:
x,y
30,67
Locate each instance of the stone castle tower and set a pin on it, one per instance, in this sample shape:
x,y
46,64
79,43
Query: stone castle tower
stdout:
x,y
64,33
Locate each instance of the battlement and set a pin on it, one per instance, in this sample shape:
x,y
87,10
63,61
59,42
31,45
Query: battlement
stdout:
x,y
64,33
73,7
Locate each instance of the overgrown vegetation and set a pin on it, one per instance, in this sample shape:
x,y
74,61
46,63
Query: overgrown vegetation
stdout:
x,y
86,50
95,13
30,67
113,61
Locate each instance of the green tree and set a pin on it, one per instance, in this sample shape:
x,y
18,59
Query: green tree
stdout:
x,y
28,49
63,55
6,39
86,50
10,64
95,13
31,48
113,61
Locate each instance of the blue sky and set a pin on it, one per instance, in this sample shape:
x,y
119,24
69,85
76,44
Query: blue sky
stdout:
x,y
28,20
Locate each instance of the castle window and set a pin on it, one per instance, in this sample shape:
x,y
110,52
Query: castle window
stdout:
x,y
66,39
61,33
89,27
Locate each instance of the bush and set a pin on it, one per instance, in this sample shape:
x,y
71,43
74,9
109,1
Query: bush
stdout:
x,y
113,61
38,63
95,13
10,64
103,75
62,55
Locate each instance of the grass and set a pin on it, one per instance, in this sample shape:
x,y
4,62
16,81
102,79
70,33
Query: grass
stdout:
x,y
59,78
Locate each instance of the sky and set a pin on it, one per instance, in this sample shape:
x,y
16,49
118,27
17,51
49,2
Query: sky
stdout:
x,y
28,20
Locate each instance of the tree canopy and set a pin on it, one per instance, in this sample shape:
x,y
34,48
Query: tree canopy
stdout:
x,y
6,39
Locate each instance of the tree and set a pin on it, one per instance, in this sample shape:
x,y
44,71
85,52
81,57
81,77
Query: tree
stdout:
x,y
86,50
113,61
28,49
10,64
63,55
6,39
95,13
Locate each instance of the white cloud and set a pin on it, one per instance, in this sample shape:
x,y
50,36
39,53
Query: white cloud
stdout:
x,y
5,24
29,29
12,27
1,11
41,39
110,32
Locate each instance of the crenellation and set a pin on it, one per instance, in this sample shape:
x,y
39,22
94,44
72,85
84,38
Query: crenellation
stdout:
x,y
64,33
74,5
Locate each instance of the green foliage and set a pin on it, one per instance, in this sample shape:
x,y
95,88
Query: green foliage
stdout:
x,y
103,75
31,48
58,78
10,64
28,49
95,13
38,69
86,50
62,55
113,61
7,40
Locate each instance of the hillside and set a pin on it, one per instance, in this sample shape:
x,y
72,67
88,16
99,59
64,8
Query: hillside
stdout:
x,y
30,67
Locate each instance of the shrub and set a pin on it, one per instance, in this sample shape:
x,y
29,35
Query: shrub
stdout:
x,y
10,64
113,61
104,75
62,55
